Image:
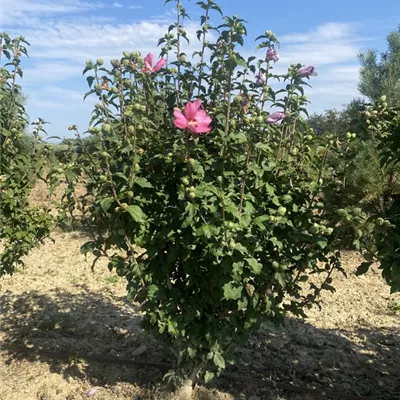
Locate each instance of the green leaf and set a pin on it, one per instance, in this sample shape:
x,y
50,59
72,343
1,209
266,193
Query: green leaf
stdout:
x,y
255,266
242,303
152,291
192,352
322,243
204,230
142,182
280,277
90,80
263,147
173,328
208,376
105,204
88,247
219,360
241,249
232,293
136,213
363,268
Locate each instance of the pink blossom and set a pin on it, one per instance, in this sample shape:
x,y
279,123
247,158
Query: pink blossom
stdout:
x,y
272,55
193,118
148,64
260,81
275,117
306,72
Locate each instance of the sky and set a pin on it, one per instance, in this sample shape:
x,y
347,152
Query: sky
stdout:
x,y
65,33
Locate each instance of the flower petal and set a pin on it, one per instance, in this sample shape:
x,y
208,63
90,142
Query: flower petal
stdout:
x,y
201,116
149,59
193,129
203,128
192,108
180,121
147,68
159,65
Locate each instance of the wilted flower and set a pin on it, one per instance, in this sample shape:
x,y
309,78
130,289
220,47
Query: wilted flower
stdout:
x,y
306,72
148,64
193,118
272,55
260,81
275,117
92,392
244,99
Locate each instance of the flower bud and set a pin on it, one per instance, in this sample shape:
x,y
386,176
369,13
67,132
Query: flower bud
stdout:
x,y
100,61
106,128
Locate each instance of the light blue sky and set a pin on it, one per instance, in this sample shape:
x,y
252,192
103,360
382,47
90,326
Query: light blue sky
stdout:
x,y
65,33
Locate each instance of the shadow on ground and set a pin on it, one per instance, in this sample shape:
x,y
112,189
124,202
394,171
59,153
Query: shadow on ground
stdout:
x,y
362,362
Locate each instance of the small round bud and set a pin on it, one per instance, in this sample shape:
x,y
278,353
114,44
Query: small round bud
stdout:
x,y
131,129
185,181
106,128
192,195
130,194
100,61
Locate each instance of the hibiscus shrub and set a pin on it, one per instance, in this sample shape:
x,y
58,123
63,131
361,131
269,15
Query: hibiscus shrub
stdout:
x,y
23,226
199,196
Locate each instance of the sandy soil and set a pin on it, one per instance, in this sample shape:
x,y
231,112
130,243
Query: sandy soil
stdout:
x,y
57,303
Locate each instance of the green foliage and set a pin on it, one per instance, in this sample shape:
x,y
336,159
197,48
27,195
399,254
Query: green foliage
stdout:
x,y
382,77
21,162
384,124
212,232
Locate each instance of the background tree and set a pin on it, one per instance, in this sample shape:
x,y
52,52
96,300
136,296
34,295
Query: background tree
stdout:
x,y
381,75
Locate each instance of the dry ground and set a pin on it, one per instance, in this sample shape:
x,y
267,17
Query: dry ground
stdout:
x,y
57,303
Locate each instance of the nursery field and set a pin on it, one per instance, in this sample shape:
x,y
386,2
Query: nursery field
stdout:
x,y
350,346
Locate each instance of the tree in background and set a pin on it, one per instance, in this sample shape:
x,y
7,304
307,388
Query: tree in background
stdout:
x,y
381,76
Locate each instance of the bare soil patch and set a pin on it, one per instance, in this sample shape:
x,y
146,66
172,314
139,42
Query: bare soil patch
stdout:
x,y
57,303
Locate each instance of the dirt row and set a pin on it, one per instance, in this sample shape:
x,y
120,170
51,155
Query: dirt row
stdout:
x,y
351,345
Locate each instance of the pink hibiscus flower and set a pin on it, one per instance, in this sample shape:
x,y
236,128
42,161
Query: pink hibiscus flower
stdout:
x,y
148,64
276,117
193,118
